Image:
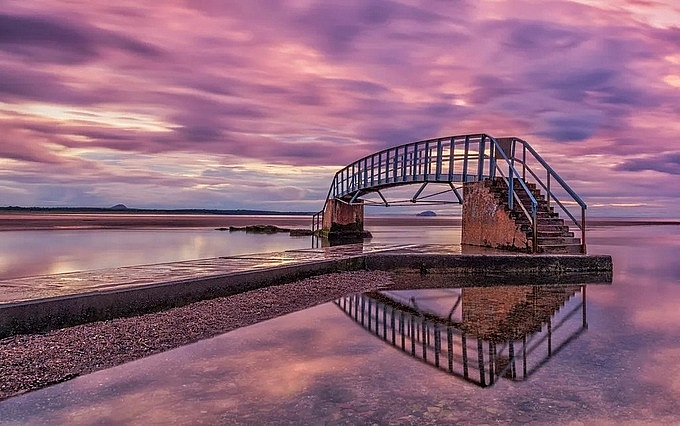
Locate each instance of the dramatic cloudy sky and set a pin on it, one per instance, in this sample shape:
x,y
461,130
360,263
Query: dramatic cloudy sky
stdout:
x,y
255,104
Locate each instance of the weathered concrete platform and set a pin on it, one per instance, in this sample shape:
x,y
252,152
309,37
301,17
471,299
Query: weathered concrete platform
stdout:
x,y
40,303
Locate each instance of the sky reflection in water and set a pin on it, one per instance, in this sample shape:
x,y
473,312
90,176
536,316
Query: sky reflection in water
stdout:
x,y
319,366
28,253
38,252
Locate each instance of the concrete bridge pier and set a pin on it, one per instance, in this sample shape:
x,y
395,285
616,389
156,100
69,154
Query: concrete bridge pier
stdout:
x,y
343,221
487,221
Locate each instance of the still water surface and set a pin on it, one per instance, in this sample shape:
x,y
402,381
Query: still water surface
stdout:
x,y
37,251
616,361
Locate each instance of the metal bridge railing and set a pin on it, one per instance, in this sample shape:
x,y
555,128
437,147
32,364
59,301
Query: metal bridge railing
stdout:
x,y
448,159
459,349
463,158
440,344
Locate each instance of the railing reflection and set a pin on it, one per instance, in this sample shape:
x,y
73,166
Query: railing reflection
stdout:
x,y
478,334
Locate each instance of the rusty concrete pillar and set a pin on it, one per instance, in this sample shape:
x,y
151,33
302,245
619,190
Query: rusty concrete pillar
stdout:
x,y
487,221
343,221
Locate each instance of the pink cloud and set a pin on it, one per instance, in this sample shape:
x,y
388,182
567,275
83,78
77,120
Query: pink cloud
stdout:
x,y
320,84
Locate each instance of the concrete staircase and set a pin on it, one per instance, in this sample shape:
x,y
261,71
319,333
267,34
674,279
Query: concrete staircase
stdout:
x,y
553,236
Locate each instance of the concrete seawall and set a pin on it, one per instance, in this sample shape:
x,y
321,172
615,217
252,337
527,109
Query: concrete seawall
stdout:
x,y
137,290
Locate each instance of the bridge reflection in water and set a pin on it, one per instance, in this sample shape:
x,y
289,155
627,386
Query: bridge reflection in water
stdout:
x,y
479,334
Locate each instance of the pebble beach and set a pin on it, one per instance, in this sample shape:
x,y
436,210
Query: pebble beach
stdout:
x,y
30,362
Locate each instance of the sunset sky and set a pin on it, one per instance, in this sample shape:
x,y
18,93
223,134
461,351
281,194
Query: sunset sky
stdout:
x,y
255,104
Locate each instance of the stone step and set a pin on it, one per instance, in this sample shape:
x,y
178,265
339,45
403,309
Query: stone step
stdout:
x,y
526,227
553,234
521,193
546,214
560,248
542,241
551,221
502,187
551,228
519,216
517,181
546,224
540,204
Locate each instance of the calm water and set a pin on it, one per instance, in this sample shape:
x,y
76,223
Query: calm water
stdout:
x,y
613,359
38,252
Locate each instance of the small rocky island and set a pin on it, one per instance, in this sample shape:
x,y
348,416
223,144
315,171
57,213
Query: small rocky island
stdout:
x,y
427,213
267,229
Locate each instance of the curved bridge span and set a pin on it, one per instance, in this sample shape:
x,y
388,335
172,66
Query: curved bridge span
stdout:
x,y
533,193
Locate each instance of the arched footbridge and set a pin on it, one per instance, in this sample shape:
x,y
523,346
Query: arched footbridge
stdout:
x,y
504,185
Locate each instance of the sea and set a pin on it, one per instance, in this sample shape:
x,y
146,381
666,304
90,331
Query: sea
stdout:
x,y
617,363
42,244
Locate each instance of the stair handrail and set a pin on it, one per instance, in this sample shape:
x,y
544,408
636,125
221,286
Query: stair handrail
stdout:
x,y
551,173
512,194
317,218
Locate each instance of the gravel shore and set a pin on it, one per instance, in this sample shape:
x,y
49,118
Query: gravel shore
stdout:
x,y
29,362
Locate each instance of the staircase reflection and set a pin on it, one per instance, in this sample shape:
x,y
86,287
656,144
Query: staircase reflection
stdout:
x,y
479,334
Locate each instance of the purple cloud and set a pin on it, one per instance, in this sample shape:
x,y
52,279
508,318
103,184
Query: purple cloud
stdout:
x,y
532,37
668,163
309,84
43,39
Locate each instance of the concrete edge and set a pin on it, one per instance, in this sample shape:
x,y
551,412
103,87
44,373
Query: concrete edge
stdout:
x,y
507,264
64,311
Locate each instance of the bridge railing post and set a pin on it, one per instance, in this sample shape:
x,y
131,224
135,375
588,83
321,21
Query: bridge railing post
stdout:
x,y
465,158
394,167
511,188
440,154
452,148
480,162
583,230
414,164
492,161
413,155
345,172
524,161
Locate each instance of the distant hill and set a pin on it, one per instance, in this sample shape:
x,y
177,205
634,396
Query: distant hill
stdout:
x,y
428,213
121,208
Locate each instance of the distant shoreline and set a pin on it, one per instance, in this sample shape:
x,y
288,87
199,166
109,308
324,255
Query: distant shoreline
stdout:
x,y
126,210
92,219
44,221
